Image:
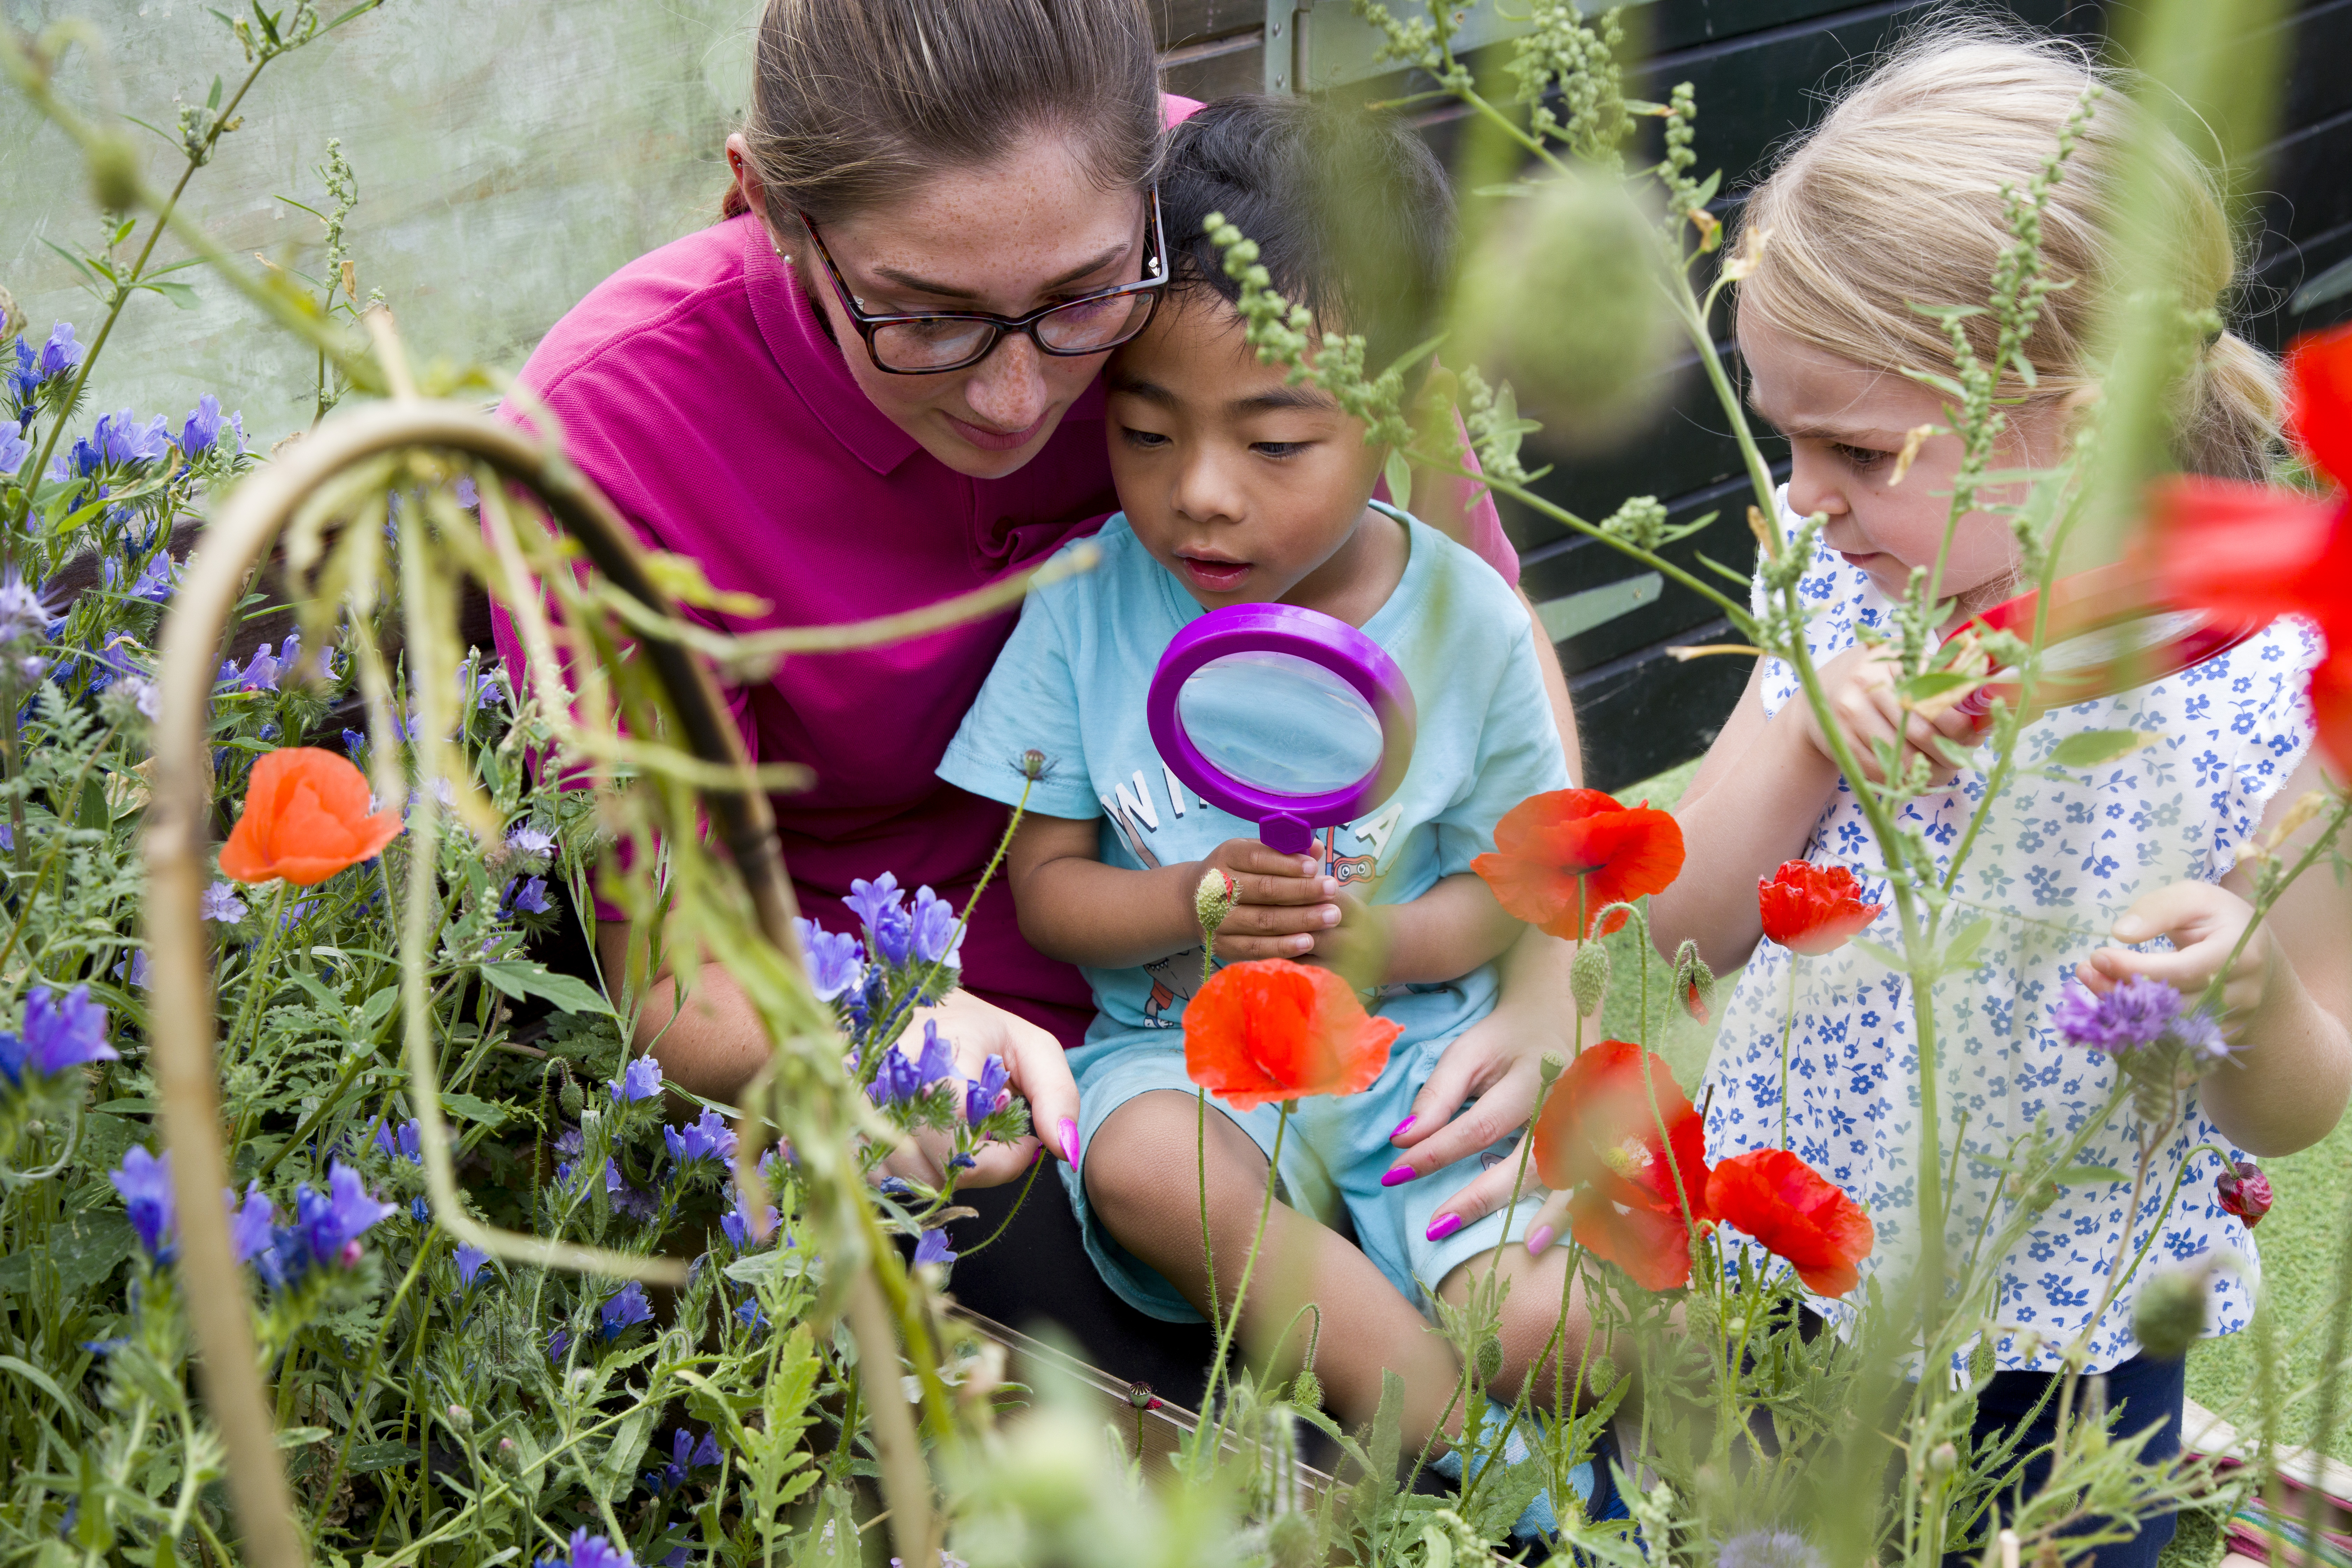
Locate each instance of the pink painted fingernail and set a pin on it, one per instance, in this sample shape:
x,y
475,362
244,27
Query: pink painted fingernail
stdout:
x,y
1401,1127
1070,1149
1537,1239
1398,1174
1444,1225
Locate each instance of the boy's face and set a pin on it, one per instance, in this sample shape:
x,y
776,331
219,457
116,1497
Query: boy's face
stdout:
x,y
1239,484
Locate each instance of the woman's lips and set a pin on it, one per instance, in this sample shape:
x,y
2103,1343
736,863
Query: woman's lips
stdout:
x,y
1215,577
994,440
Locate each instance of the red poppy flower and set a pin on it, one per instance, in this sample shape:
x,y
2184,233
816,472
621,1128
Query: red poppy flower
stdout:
x,y
2257,550
1813,908
1796,1213
306,817
1618,1132
2245,1192
1561,857
1270,1029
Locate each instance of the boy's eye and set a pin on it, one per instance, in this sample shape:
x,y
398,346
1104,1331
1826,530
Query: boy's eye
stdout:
x,y
1147,439
1279,449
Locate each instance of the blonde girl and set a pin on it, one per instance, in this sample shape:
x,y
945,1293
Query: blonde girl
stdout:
x,y
1895,202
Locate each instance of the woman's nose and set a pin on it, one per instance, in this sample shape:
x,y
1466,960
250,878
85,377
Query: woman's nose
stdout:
x,y
1008,388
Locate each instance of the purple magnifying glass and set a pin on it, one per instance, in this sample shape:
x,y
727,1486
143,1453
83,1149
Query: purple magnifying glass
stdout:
x,y
1286,717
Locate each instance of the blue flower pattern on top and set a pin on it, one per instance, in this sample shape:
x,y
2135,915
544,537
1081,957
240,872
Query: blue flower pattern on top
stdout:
x,y
2060,856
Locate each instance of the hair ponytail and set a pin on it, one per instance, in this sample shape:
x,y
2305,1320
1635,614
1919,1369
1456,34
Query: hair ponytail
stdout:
x,y
1895,201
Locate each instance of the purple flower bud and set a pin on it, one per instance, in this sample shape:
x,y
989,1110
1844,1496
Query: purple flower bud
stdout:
x,y
938,930
980,1098
624,1308
145,1184
470,1262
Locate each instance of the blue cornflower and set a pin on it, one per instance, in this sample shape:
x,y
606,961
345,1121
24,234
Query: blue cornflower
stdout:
x,y
641,1079
932,1247
866,899
836,961
330,1223
938,937
2200,1037
590,1552
63,1032
530,841
980,1100
220,902
13,450
471,1261
404,1143
624,1309
742,1233
60,353
252,1223
707,1137
2134,1014
145,1184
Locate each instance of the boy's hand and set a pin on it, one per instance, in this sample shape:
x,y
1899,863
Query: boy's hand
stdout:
x,y
1860,686
1281,903
1356,949
2204,923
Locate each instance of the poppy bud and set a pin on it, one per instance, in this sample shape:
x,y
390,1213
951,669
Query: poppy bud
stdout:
x,y
1588,978
2244,1192
1694,982
114,173
1306,1390
2169,1315
1212,900
573,1100
1290,1542
1490,1360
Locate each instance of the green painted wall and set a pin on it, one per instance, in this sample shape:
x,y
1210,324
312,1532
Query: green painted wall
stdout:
x,y
509,154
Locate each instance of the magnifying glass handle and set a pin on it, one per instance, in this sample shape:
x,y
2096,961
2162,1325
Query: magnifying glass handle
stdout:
x,y
1284,834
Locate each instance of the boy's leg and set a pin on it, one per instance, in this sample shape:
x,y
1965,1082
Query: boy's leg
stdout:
x,y
1143,1184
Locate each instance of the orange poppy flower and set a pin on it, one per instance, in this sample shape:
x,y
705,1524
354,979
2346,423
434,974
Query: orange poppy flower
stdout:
x,y
1561,857
306,817
1617,1134
1813,908
1795,1213
1270,1030
2251,550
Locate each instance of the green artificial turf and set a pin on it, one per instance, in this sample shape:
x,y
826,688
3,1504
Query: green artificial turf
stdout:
x,y
2301,1239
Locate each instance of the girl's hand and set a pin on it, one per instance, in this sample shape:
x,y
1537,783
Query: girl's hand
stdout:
x,y
1039,1073
1860,686
2204,923
1282,903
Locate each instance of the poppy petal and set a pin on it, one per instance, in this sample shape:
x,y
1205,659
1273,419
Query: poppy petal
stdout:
x,y
2319,400
1796,1213
1272,1030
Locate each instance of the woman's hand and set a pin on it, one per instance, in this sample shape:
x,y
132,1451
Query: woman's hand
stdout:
x,y
1860,686
2204,923
1040,1074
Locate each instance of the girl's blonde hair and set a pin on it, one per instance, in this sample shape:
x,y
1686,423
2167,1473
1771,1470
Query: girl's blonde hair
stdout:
x,y
1894,202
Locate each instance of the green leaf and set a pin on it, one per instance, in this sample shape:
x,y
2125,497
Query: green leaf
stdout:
x,y
1966,942
1708,187
42,1380
214,101
368,1458
2094,748
1400,478
180,294
296,1437
85,1249
2087,1176
1887,956
1933,683
473,1108
520,978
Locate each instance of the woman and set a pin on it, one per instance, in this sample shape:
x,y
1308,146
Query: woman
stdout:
x,y
743,398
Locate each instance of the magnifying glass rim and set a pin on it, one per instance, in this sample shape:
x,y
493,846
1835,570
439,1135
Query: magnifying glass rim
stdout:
x,y
2092,601
1322,640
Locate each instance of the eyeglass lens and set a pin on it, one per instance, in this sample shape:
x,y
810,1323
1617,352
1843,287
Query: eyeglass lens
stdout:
x,y
1082,326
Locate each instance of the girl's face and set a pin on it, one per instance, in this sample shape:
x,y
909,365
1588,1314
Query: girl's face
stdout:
x,y
1004,239
1248,489
1846,425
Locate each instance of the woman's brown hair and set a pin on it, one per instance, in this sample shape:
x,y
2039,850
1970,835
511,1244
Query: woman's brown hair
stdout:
x,y
855,102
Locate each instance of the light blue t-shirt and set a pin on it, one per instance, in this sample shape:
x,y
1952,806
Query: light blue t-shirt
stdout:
x,y
1071,684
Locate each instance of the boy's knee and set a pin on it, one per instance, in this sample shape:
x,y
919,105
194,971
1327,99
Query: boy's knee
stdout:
x,y
1143,1160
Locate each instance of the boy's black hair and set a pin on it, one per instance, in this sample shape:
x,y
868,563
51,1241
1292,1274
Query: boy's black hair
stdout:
x,y
1352,214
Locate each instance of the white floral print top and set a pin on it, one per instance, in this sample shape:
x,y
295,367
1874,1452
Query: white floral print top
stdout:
x,y
2062,854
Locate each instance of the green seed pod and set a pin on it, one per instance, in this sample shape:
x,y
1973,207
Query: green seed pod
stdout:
x,y
2171,1312
1549,1069
1564,298
1588,978
1212,900
114,173
1290,1542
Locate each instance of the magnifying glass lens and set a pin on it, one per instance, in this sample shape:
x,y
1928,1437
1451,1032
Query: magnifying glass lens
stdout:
x,y
1279,723
2111,644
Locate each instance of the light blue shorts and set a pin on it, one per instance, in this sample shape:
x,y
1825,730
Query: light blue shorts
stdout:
x,y
1333,1155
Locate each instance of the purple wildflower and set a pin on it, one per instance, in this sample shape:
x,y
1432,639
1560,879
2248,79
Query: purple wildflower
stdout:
x,y
866,899
470,1262
748,1310
221,903
251,1225
937,1060
2134,1014
330,1223
981,1100
13,450
203,428
742,1233
531,842
938,933
2200,1037
404,1143
932,1247
63,1032
836,960
23,612
708,1137
145,1184
895,1078
557,1343
622,1309
132,971
60,353
641,1079
893,935
527,896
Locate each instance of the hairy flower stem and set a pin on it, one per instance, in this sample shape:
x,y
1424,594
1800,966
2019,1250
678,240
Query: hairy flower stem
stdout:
x,y
1787,1028
1212,1418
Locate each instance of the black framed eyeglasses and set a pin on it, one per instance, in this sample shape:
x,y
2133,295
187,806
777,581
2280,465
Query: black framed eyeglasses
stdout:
x,y
930,342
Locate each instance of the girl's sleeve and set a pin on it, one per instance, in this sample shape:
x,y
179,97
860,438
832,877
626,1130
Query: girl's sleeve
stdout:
x,y
1029,703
